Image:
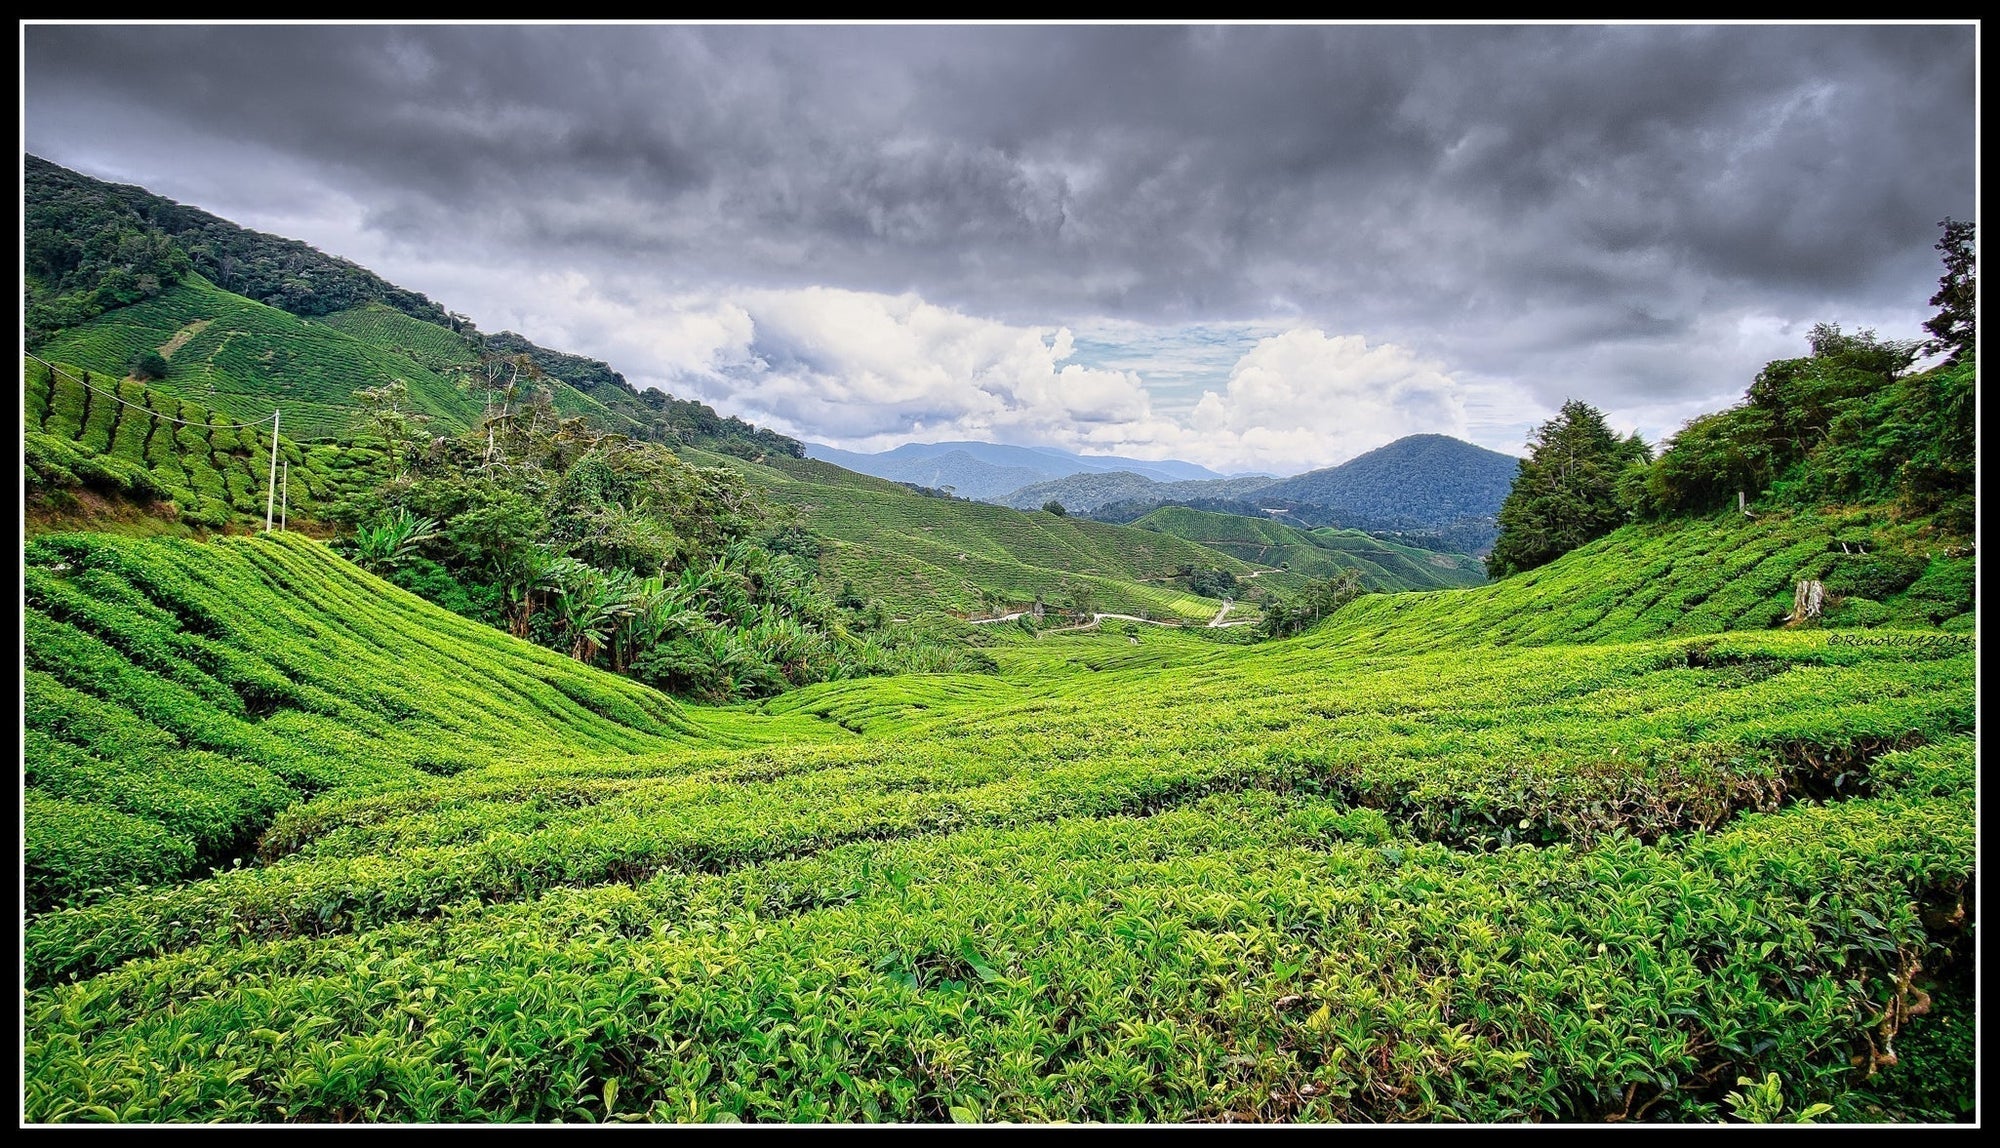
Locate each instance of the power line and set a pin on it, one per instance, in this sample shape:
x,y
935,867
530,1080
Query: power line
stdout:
x,y
115,397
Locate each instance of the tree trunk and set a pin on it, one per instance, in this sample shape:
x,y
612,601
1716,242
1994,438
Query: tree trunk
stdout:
x,y
1807,600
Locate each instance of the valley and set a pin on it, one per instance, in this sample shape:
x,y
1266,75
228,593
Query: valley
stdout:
x,y
572,752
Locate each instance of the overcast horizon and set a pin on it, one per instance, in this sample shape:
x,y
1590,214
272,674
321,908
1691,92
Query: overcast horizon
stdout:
x,y
1255,248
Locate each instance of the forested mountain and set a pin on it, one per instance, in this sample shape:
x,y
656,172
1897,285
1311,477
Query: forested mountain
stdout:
x,y
237,319
1427,483
92,246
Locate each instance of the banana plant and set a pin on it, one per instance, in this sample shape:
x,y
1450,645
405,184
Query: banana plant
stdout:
x,y
390,543
530,571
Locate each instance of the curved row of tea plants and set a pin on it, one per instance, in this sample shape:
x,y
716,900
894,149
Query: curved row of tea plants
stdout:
x,y
178,695
1248,956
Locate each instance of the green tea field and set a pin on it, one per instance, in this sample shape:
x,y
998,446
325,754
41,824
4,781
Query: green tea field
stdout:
x,y
305,848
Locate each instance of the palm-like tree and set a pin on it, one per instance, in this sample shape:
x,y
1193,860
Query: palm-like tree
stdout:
x,y
392,542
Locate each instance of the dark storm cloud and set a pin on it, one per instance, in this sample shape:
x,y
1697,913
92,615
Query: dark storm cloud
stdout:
x,y
1499,196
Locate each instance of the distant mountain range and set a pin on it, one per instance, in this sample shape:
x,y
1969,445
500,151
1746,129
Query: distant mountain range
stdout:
x,y
1428,490
987,471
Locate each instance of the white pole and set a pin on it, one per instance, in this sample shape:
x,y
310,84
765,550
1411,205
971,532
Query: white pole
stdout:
x,y
271,488
285,499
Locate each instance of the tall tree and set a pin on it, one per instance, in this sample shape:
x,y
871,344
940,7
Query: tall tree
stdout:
x,y
1566,492
1954,326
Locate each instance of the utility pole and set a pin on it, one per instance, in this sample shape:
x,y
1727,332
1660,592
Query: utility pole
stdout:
x,y
285,498
271,487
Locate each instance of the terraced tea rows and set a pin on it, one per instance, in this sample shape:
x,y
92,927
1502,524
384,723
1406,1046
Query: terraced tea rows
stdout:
x,y
1334,878
179,695
78,434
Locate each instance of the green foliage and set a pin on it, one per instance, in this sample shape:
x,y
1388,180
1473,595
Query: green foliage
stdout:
x,y
1209,583
620,554
1567,491
1054,507
1843,424
1317,602
1764,1103
95,246
392,542
73,850
148,365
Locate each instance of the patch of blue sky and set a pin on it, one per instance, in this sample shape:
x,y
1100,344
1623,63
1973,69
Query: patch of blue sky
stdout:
x,y
1176,363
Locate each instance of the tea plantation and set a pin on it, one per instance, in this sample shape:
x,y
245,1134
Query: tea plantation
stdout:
x,y
1592,844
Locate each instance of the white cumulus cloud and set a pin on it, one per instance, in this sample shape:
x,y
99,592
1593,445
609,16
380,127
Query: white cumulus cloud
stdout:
x,y
868,371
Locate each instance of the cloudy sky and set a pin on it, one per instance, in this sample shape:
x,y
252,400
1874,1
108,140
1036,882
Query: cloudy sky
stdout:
x,y
1254,247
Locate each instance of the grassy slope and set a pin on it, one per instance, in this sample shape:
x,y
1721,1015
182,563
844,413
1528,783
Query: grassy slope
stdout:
x,y
445,353
1383,566
922,554
1326,878
1700,577
246,356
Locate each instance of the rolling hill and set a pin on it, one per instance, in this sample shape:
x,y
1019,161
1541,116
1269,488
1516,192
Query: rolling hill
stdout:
x,y
241,358
1086,493
248,320
1383,566
921,553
